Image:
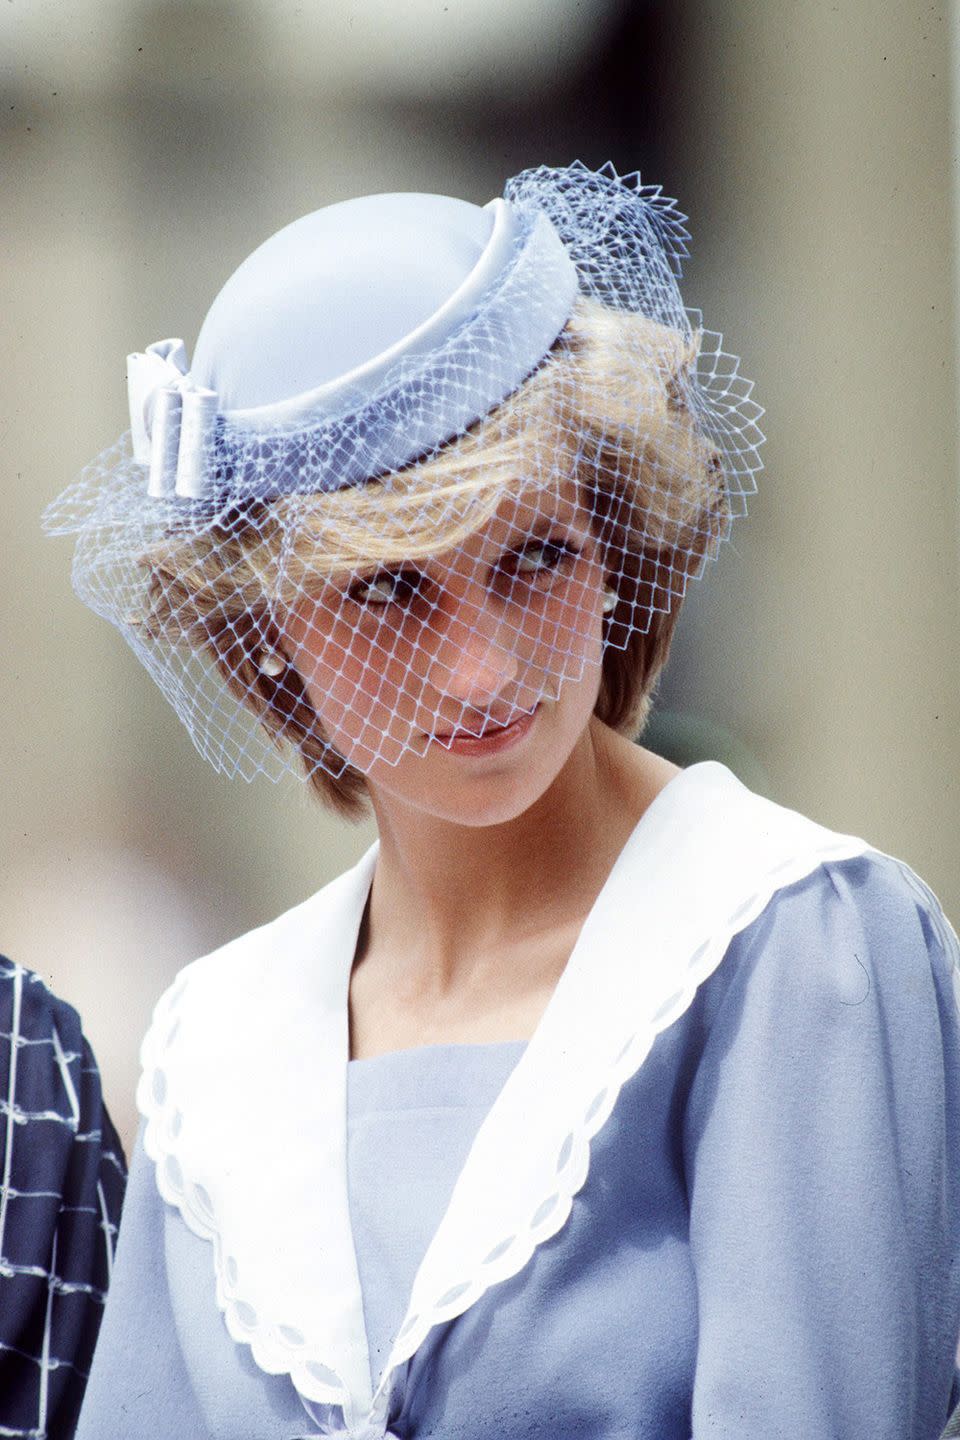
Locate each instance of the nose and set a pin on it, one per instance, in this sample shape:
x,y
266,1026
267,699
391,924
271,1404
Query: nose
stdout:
x,y
474,658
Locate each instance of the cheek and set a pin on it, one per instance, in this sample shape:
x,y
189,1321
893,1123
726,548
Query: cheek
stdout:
x,y
358,679
563,629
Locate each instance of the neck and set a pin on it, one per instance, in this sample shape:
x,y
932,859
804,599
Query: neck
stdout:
x,y
447,896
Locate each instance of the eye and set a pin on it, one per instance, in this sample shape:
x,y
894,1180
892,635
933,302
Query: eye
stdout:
x,y
543,557
386,587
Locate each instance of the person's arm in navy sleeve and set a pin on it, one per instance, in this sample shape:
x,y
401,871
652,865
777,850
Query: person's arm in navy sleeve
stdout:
x,y
62,1176
822,1147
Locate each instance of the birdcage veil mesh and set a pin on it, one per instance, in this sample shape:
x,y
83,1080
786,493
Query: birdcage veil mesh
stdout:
x,y
317,585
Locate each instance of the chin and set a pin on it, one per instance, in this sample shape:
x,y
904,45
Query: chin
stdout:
x,y
475,802
488,809
478,797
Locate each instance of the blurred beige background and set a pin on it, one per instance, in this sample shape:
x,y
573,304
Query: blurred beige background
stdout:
x,y
148,145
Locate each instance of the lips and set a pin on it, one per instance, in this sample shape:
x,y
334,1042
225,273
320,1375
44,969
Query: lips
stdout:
x,y
491,726
493,739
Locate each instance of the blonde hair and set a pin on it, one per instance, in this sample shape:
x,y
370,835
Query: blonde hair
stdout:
x,y
656,494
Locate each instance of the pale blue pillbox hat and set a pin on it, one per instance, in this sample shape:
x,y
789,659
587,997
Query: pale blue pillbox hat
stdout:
x,y
308,331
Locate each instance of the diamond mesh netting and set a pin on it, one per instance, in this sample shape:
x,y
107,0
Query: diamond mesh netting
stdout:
x,y
432,553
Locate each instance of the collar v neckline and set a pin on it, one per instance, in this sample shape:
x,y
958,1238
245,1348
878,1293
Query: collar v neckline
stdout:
x,y
245,1071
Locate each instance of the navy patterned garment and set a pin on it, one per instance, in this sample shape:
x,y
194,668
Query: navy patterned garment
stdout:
x,y
62,1177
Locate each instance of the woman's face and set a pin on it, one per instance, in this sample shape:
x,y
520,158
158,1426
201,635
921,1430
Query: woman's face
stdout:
x,y
440,679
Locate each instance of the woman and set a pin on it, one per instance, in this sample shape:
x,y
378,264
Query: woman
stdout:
x,y
600,1098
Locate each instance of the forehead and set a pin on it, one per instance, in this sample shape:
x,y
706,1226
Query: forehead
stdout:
x,y
530,510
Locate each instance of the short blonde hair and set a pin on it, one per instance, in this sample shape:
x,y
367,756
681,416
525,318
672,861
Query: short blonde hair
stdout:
x,y
657,497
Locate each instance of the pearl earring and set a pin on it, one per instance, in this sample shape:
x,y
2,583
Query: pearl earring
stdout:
x,y
271,663
610,599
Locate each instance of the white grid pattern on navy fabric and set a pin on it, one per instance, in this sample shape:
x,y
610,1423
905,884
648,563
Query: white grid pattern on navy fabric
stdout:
x,y
63,1175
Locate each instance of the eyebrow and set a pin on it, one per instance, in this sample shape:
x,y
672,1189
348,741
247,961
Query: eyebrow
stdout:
x,y
539,529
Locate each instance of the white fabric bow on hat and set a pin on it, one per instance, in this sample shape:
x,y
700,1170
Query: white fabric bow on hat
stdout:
x,y
172,419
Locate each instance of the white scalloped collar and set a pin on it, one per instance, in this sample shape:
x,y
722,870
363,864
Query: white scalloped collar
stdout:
x,y
247,1055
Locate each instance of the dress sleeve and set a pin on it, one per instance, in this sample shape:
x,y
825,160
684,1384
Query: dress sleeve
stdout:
x,y
822,1150
61,1188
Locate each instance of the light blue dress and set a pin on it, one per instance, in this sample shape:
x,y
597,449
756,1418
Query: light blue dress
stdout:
x,y
767,1243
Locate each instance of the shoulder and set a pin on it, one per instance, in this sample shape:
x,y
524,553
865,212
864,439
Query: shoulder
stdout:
x,y
758,900
860,934
825,1066
317,924
788,898
212,1018
31,1014
49,1078
48,1073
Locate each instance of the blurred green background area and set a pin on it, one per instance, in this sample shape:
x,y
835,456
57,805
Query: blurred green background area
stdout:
x,y
148,145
